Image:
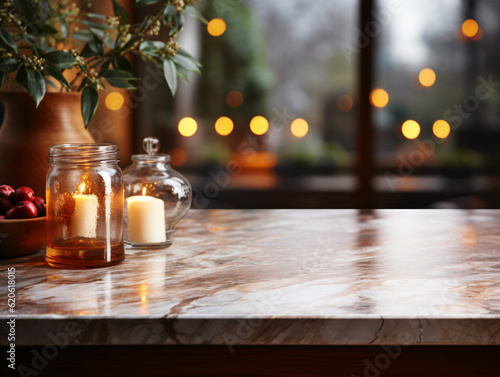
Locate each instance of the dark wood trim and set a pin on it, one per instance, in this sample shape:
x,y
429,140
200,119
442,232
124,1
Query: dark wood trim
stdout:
x,y
271,361
365,134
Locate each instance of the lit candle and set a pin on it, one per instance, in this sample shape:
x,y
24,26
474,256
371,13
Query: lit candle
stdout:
x,y
146,219
84,220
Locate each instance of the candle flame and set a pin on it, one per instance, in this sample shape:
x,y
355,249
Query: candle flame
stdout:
x,y
144,191
81,187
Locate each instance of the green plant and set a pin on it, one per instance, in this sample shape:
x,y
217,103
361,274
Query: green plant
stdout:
x,y
46,40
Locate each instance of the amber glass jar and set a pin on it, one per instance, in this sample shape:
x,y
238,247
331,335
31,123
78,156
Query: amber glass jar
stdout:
x,y
84,206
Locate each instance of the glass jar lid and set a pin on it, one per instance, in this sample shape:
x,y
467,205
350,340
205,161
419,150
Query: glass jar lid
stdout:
x,y
151,145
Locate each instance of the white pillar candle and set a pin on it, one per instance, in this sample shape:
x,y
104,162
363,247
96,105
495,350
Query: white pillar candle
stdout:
x,y
84,220
146,220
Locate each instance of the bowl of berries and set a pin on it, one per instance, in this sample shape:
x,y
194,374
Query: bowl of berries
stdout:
x,y
23,221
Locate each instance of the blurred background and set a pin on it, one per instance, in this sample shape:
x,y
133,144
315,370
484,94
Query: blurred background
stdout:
x,y
327,104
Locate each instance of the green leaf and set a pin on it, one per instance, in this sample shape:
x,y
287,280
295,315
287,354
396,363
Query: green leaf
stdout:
x,y
44,30
170,73
121,62
151,46
192,11
119,78
36,86
96,15
65,29
57,74
182,73
173,19
90,99
82,35
51,83
7,41
94,47
22,77
186,63
120,12
116,8
133,40
8,65
118,74
104,67
61,59
26,9
95,24
45,11
183,52
139,3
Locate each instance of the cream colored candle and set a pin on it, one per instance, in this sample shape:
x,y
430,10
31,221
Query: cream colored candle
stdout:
x,y
146,220
84,220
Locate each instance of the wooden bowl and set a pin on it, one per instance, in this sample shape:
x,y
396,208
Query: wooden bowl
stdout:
x,y
22,237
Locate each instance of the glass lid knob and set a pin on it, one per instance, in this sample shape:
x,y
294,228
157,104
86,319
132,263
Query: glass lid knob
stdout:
x,y
151,145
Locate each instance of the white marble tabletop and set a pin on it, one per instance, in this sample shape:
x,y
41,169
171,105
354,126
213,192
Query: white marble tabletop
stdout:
x,y
308,277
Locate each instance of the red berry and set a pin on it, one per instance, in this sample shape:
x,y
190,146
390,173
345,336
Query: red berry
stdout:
x,y
5,205
25,210
24,193
9,214
2,217
41,206
6,192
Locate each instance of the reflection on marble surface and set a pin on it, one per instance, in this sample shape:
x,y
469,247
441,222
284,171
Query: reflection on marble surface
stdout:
x,y
281,277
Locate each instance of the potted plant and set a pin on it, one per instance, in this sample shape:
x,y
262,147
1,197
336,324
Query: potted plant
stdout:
x,y
61,53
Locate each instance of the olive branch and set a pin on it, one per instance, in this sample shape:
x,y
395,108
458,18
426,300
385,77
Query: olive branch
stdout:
x,y
42,41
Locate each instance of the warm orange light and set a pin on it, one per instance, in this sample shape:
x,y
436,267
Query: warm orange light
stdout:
x,y
299,127
478,35
344,103
379,97
234,99
81,187
259,125
259,160
114,101
187,127
178,156
427,77
144,191
441,129
410,129
143,298
224,126
216,27
470,28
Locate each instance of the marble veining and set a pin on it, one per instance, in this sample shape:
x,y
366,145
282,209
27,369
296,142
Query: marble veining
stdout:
x,y
279,277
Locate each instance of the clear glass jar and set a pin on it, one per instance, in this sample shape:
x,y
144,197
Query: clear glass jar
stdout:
x,y
156,198
84,206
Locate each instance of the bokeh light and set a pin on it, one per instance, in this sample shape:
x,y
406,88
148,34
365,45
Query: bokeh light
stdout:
x,y
234,99
178,156
379,97
344,103
224,126
259,125
187,127
478,35
299,127
427,77
114,101
441,129
216,27
410,129
470,28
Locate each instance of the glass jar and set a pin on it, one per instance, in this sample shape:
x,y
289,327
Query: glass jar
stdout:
x,y
156,198
84,206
